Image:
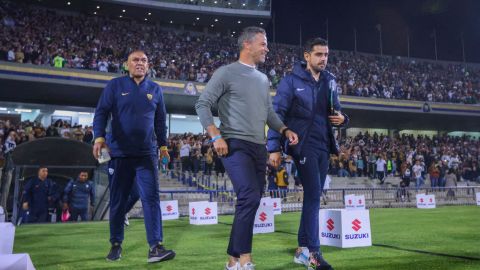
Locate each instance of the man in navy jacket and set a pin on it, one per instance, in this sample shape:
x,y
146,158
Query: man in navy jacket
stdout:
x,y
38,195
138,129
307,102
76,195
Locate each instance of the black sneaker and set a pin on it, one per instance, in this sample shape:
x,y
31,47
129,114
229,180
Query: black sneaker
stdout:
x,y
317,262
159,254
115,252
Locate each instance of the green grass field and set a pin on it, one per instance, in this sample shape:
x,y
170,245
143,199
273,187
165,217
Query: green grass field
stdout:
x,y
442,238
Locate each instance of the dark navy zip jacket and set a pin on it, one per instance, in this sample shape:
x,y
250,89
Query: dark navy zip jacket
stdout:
x,y
39,194
137,114
297,104
76,194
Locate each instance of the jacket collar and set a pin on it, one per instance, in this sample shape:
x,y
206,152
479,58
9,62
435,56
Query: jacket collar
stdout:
x,y
299,69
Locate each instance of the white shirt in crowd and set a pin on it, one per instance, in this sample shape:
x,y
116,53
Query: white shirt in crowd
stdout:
x,y
103,66
10,144
381,165
185,150
417,170
11,55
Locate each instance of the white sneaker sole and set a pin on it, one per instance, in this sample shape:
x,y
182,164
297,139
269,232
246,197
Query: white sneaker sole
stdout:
x,y
299,261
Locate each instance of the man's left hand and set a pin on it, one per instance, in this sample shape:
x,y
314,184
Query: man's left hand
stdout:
x,y
164,153
337,119
292,137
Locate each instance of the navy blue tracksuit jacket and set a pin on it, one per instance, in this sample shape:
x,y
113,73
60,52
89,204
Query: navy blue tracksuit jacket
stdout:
x,y
135,131
304,105
76,194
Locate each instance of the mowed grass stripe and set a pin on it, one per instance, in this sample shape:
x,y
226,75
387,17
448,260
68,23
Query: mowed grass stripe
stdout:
x,y
397,234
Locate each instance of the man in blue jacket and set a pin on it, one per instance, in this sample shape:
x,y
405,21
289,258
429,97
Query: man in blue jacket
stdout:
x,y
307,102
138,132
38,195
76,195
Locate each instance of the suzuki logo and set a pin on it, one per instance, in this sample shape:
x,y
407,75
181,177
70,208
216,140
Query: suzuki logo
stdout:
x,y
349,201
263,216
208,211
431,200
360,201
356,225
330,224
275,205
170,208
421,200
193,211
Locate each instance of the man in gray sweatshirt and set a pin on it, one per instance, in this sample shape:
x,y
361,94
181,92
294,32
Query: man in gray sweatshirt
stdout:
x,y
242,94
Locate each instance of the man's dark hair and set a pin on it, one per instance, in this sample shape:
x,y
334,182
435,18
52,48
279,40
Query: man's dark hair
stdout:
x,y
314,42
248,34
136,51
42,167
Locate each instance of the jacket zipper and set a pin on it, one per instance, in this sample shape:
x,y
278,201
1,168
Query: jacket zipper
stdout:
x,y
312,117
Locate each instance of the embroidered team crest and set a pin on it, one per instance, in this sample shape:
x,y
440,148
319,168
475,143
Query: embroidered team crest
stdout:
x,y
111,171
149,96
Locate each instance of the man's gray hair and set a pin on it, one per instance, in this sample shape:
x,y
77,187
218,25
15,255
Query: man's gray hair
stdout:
x,y
248,34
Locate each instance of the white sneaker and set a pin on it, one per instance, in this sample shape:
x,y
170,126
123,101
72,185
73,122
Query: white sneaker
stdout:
x,y
301,256
235,267
247,266
125,221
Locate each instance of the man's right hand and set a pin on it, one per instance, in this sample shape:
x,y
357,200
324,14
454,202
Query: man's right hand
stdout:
x,y
221,147
97,147
25,206
275,159
219,144
65,206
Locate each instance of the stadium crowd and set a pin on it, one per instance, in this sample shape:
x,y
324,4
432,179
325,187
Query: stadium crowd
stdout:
x,y
52,38
372,155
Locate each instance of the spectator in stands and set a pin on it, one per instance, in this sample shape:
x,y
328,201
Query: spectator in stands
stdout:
x,y
434,174
360,166
272,180
450,184
76,197
402,192
352,166
281,181
11,55
189,56
380,168
59,61
195,157
102,65
38,196
342,172
208,161
88,137
10,143
443,170
417,174
406,177
19,55
185,149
